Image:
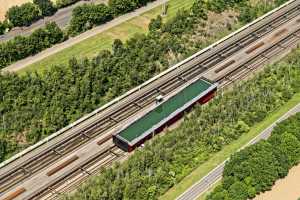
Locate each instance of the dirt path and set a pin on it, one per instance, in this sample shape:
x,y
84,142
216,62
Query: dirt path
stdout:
x,y
284,189
72,41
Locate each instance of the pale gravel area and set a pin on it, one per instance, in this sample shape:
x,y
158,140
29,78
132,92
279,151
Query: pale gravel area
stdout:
x,y
284,189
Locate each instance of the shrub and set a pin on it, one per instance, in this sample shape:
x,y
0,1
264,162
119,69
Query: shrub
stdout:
x,y
23,15
87,16
155,24
46,7
124,6
21,47
64,3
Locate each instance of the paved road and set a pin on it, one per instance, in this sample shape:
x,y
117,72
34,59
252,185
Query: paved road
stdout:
x,y
216,174
62,17
72,41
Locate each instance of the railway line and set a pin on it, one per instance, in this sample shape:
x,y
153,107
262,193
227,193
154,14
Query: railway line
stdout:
x,y
104,123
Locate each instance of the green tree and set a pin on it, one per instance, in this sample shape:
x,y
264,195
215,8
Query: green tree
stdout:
x,y
46,6
87,16
122,6
23,15
155,24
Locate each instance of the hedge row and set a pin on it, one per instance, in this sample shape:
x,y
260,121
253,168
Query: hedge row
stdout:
x,y
21,47
256,168
27,13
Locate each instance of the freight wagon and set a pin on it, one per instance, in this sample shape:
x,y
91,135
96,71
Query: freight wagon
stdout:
x,y
166,111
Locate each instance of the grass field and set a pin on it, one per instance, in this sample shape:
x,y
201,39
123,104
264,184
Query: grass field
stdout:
x,y
219,157
90,47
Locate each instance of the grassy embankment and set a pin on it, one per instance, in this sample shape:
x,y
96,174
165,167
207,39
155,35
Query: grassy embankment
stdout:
x,y
222,155
91,46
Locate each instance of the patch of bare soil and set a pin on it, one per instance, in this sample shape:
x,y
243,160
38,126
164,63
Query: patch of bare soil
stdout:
x,y
284,189
6,4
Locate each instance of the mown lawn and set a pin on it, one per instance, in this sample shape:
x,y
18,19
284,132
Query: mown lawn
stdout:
x,y
91,46
222,155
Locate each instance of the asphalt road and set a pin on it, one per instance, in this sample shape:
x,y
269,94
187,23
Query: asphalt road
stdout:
x,y
216,174
74,40
62,18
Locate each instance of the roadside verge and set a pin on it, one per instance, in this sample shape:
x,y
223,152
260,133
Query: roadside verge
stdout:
x,y
222,155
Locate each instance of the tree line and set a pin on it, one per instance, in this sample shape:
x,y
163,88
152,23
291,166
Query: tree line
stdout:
x,y
256,168
21,47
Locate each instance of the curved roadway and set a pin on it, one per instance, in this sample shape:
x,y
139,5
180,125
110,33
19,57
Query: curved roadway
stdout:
x,y
216,174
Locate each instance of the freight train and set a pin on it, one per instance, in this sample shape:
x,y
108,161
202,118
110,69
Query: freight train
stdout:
x,y
165,112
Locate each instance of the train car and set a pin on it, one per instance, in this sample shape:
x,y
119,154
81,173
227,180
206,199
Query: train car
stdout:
x,y
166,111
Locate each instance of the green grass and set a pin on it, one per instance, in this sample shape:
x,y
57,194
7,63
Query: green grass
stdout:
x,y
92,46
222,155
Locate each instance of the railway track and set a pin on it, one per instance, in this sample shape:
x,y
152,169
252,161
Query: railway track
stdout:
x,y
146,97
287,43
99,160
250,66
290,41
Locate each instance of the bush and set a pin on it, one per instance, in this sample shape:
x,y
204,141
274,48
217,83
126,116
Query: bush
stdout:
x,y
46,7
155,24
87,16
23,15
64,3
21,47
124,6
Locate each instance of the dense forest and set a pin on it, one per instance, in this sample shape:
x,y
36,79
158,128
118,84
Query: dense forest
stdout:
x,y
35,105
256,168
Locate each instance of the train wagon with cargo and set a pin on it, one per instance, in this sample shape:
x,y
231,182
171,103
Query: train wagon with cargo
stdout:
x,y
166,111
